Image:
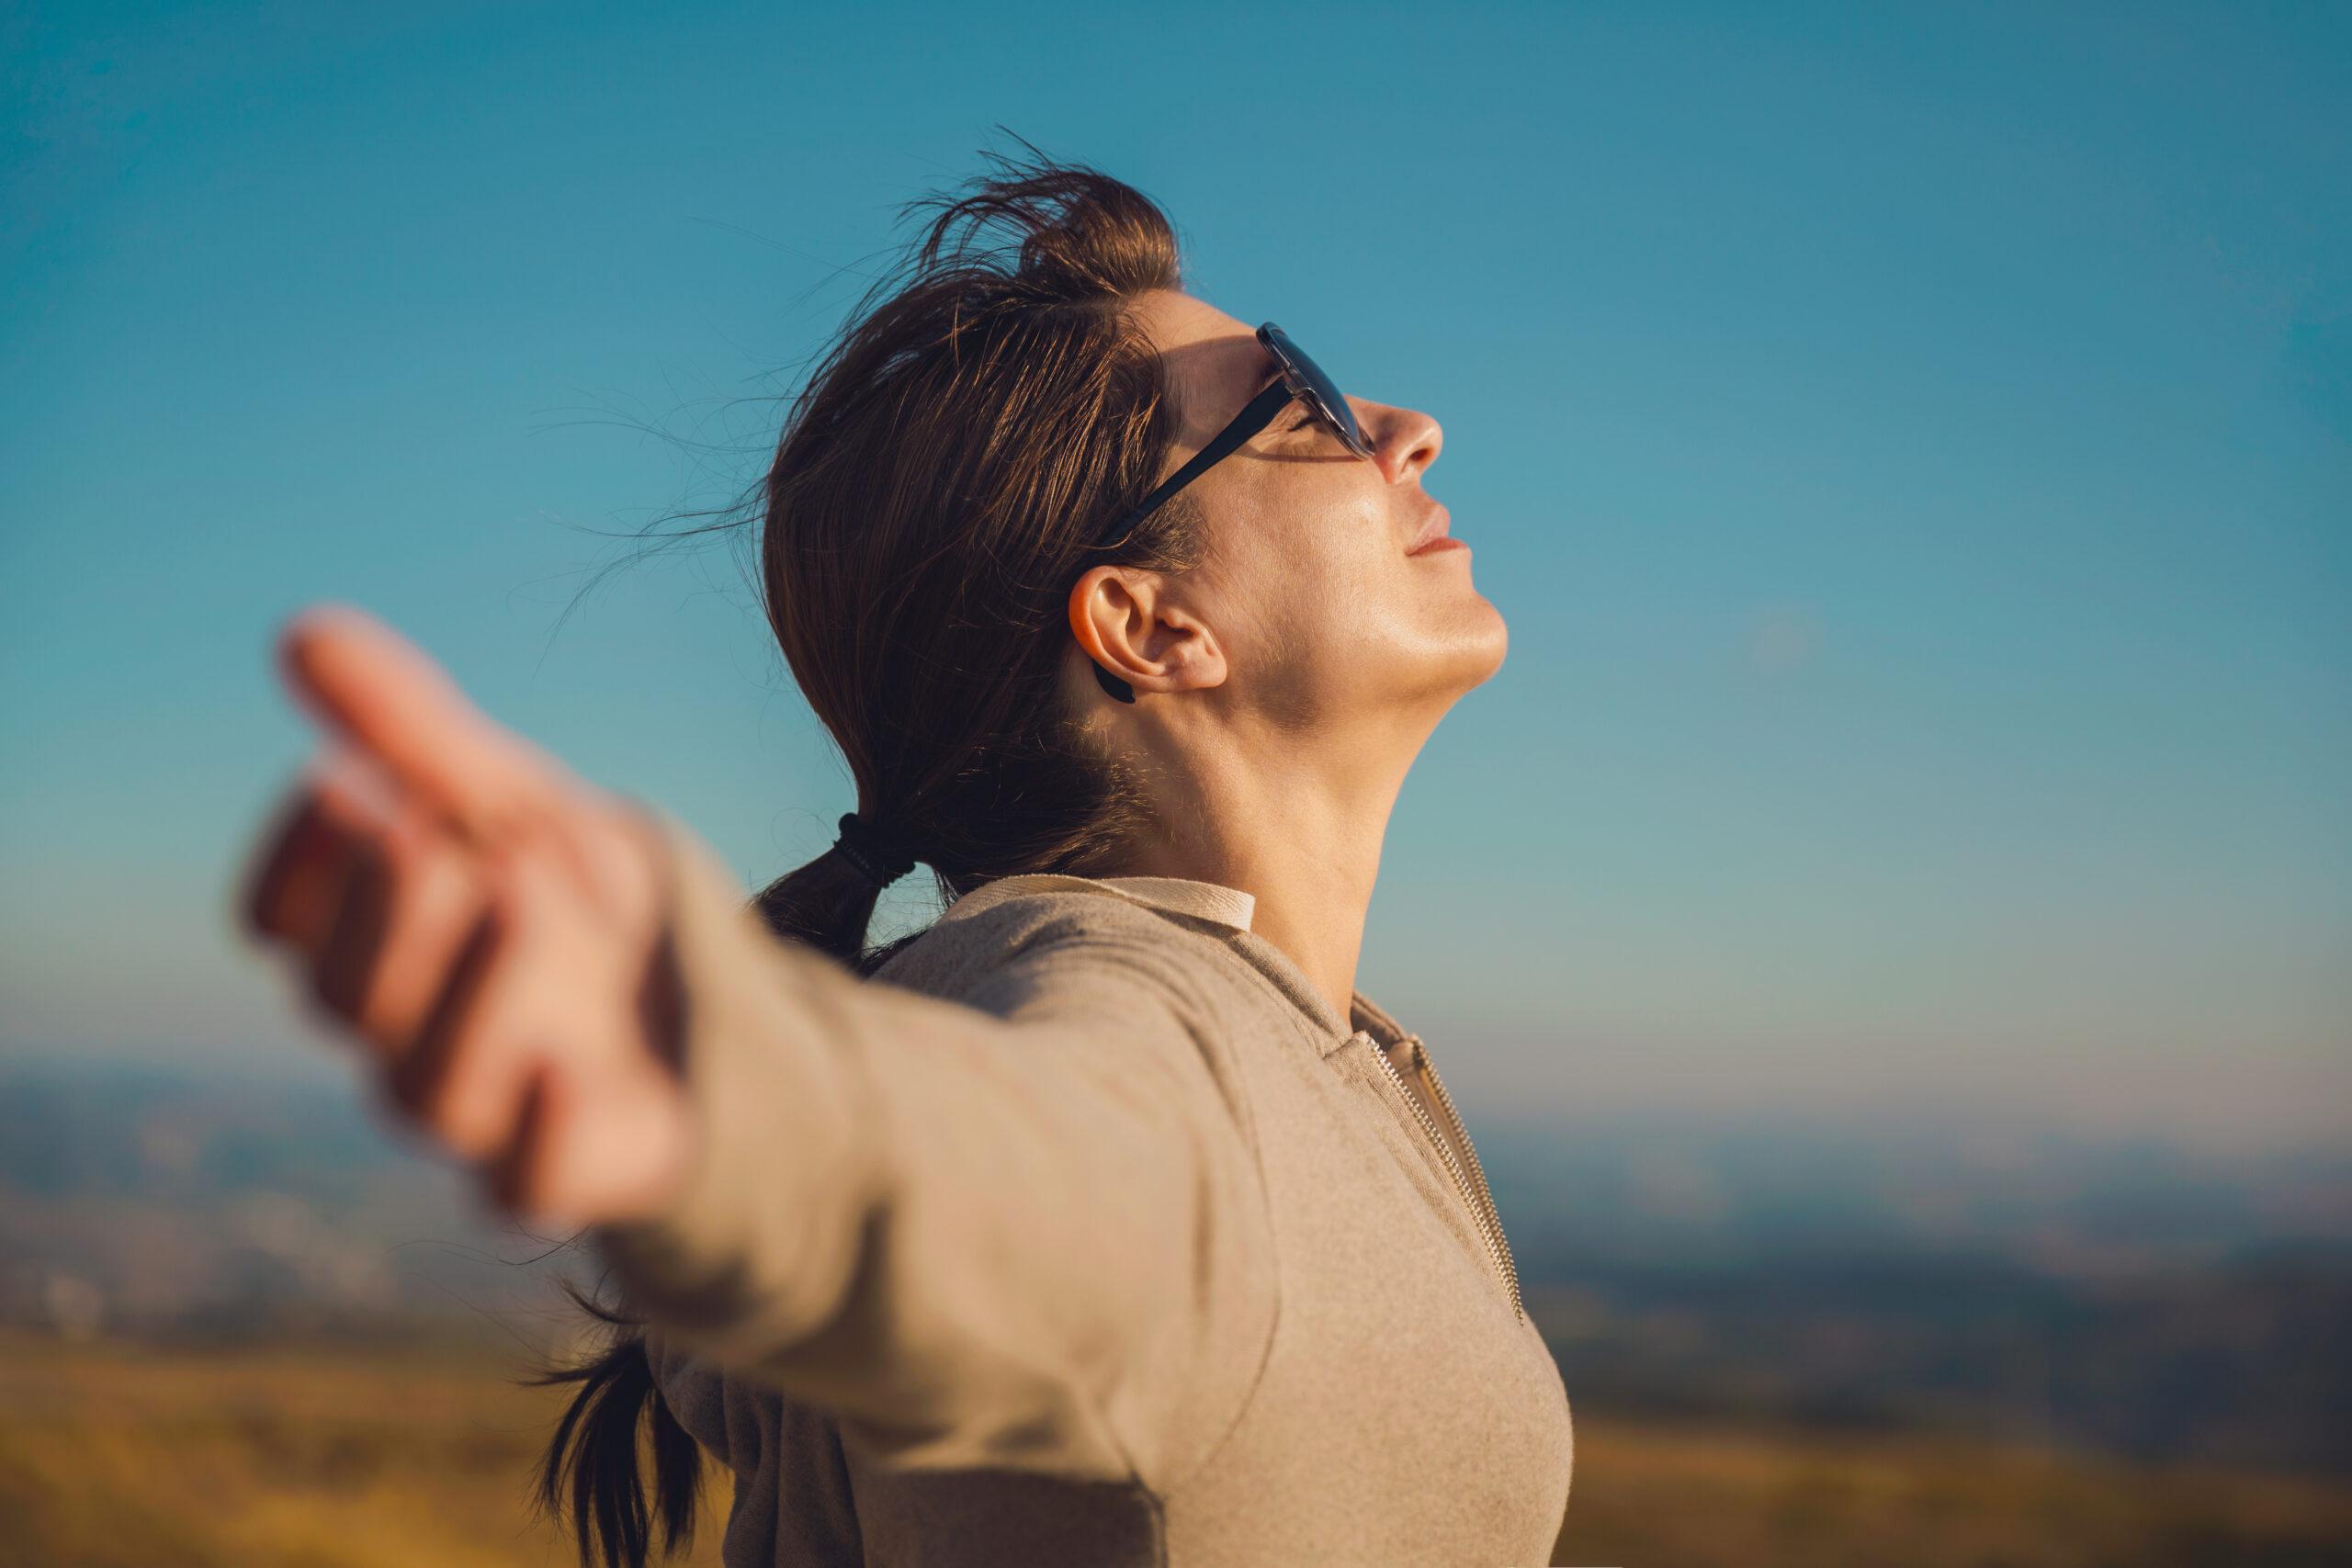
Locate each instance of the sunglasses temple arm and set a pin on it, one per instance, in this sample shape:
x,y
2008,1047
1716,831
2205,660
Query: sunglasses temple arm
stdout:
x,y
1254,417
1259,413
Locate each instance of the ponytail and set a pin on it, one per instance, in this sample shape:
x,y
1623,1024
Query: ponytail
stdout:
x,y
828,903
590,1477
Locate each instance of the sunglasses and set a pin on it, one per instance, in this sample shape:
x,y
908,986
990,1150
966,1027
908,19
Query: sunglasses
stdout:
x,y
1299,379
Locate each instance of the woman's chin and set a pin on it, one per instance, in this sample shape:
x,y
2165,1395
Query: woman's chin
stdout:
x,y
1467,657
1485,645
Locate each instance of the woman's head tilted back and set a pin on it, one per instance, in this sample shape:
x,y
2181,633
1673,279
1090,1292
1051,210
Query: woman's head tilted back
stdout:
x,y
934,495
931,539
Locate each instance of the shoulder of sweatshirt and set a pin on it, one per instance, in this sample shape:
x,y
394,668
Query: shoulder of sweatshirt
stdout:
x,y
1035,945
994,952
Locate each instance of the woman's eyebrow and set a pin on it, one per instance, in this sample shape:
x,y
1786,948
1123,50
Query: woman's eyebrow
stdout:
x,y
1263,373
1267,374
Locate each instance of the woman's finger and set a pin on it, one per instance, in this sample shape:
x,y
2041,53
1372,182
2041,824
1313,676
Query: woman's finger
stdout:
x,y
545,976
382,694
595,1148
297,886
343,963
414,896
463,1076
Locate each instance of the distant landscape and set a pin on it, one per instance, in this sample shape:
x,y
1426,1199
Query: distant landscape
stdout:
x,y
2125,1298
240,1323
235,1210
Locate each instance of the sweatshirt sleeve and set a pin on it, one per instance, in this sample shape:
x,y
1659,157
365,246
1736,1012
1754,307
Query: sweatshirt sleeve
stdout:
x,y
1025,1231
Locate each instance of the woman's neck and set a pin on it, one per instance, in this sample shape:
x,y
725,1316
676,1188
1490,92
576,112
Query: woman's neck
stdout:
x,y
1300,833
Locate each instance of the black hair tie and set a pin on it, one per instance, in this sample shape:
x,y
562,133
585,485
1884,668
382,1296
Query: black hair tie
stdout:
x,y
876,859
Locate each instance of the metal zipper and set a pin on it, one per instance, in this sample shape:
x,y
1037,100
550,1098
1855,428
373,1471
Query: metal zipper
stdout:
x,y
1477,1174
1481,1201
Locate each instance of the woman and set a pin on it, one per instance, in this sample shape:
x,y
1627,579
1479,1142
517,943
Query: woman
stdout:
x,y
1106,1223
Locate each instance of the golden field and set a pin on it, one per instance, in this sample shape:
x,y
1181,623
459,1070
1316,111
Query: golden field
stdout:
x,y
1661,1497
118,1456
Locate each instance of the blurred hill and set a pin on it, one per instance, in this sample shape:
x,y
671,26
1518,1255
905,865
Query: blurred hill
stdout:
x,y
140,1202
2133,1299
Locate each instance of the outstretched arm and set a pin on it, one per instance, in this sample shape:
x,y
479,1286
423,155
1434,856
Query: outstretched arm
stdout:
x,y
1030,1236
492,928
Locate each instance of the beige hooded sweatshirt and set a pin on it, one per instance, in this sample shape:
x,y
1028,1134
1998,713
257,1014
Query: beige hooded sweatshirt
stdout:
x,y
1089,1235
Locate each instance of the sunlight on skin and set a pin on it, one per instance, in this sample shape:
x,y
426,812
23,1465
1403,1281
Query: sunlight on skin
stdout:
x,y
1285,684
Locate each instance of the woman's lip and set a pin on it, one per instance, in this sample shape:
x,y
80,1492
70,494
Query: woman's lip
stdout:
x,y
1437,537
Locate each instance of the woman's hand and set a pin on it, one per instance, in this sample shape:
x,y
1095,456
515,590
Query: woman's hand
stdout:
x,y
491,928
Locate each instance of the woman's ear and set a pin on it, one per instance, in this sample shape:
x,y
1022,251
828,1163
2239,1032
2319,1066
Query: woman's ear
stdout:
x,y
1126,622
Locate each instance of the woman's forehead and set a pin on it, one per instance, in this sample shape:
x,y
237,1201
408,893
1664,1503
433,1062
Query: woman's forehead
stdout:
x,y
1213,362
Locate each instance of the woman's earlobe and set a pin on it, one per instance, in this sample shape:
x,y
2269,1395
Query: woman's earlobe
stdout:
x,y
1112,685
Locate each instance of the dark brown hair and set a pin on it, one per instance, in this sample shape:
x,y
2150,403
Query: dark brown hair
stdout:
x,y
992,406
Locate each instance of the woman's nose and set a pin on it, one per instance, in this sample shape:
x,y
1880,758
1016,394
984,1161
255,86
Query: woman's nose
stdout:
x,y
1404,441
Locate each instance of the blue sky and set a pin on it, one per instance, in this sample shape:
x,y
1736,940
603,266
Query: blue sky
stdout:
x,y
1913,448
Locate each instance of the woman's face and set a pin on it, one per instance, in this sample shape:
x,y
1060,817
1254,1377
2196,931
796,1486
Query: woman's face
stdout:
x,y
1332,582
